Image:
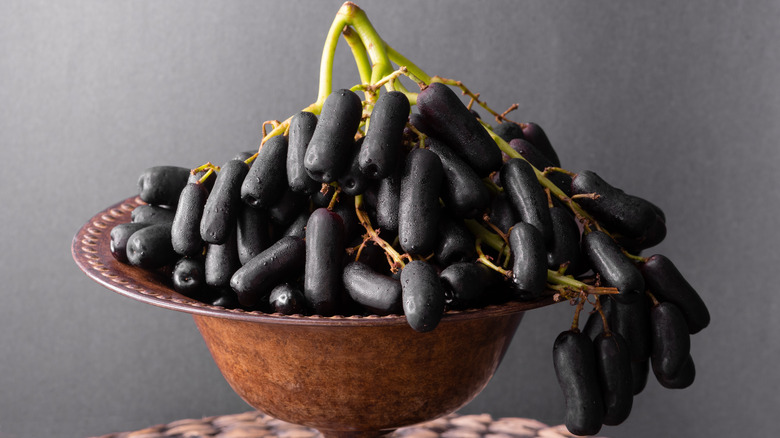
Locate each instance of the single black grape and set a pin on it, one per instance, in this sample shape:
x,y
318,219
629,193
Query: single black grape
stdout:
x,y
527,196
418,214
322,283
379,294
266,180
671,342
616,270
185,231
574,359
301,129
667,284
287,299
120,235
222,261
154,214
613,363
150,247
463,192
529,260
189,277
382,146
331,143
255,279
423,295
161,185
219,214
536,135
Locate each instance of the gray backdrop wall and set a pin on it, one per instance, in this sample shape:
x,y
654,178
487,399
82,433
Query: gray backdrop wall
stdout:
x,y
678,102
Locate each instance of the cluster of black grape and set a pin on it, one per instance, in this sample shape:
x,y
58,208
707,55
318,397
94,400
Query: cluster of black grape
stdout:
x,y
384,211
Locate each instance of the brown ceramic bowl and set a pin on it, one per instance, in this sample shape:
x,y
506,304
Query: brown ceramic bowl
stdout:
x,y
345,376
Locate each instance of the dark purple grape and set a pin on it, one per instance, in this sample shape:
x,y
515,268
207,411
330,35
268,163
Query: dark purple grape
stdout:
x,y
613,363
185,231
161,185
379,294
509,131
616,270
422,296
456,243
565,244
255,279
189,277
331,143
266,180
527,196
287,299
529,260
444,112
536,135
252,233
379,155
150,247
222,261
322,283
667,284
301,129
152,214
463,192
574,358
418,214
219,214
671,342
120,235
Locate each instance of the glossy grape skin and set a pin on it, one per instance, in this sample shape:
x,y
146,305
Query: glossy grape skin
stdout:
x,y
502,214
527,196
509,131
388,200
529,260
252,234
379,294
683,379
541,162
463,192
120,235
627,215
418,214
325,243
189,277
219,214
616,270
565,244
153,214
353,182
266,179
287,299
331,143
456,243
161,185
423,296
222,261
255,279
150,247
185,230
631,319
613,363
671,343
443,111
536,136
574,359
382,145
467,283
667,284
301,129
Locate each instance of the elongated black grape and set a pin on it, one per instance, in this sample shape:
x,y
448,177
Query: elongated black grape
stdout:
x,y
422,295
287,299
529,260
453,123
222,261
152,214
189,277
266,180
161,185
617,211
565,244
607,259
219,214
150,247
301,129
639,373
502,214
353,181
654,235
541,162
456,243
509,131
255,279
671,342
252,233
631,319
330,145
382,145
613,363
388,199
185,231
120,235
379,294
418,214
536,135
322,283
683,379
467,284
463,192
527,196
667,284
574,358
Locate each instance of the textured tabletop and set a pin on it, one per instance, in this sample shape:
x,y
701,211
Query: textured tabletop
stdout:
x,y
254,424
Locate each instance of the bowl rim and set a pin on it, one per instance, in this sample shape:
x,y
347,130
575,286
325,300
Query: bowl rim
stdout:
x,y
91,251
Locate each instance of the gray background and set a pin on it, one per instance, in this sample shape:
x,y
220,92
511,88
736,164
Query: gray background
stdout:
x,y
678,102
